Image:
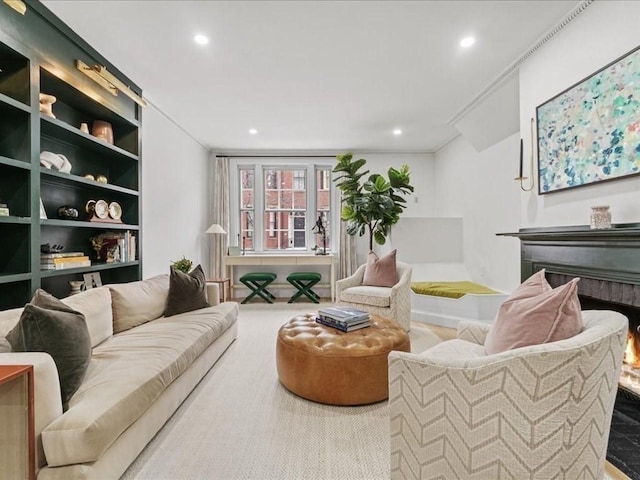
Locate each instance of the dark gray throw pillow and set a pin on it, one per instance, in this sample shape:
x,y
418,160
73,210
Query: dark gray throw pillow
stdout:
x,y
187,292
48,325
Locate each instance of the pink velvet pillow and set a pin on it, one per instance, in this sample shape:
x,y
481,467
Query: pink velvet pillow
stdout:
x,y
381,272
535,314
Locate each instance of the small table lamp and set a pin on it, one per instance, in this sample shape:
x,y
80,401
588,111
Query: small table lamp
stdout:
x,y
215,228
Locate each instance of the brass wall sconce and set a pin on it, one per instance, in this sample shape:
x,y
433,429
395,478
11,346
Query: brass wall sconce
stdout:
x,y
105,79
18,5
521,178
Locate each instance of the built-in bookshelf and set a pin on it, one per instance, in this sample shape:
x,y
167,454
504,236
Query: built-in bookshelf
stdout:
x,y
37,56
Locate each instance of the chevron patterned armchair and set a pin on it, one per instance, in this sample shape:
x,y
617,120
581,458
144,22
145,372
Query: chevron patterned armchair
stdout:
x,y
536,412
389,302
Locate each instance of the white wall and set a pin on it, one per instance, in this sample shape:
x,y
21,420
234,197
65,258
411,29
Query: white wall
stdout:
x,y
479,187
420,204
604,32
175,188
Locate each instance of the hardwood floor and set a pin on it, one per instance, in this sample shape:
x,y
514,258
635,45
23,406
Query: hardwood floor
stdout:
x,y
610,471
444,333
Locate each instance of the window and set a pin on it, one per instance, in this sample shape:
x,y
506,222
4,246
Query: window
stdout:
x,y
279,206
299,180
324,179
272,225
323,208
247,208
286,202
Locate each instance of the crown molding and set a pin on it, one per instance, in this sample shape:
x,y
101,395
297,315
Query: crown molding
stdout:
x,y
513,67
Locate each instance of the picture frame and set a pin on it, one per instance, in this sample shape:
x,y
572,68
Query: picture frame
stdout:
x,y
590,132
92,280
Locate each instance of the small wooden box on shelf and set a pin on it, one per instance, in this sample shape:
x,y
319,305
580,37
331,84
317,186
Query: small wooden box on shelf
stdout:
x,y
17,455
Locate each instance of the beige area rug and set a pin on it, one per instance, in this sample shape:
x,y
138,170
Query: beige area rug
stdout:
x,y
240,423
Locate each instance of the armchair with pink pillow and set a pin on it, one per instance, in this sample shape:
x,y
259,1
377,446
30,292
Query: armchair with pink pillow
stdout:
x,y
527,397
381,287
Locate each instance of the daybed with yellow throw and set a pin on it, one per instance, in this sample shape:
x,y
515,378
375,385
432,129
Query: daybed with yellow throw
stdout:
x,y
442,294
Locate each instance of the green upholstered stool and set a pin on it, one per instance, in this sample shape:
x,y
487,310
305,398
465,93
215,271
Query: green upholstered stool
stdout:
x,y
257,283
303,281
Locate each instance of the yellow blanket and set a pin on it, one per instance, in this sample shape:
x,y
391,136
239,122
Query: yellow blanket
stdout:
x,y
450,289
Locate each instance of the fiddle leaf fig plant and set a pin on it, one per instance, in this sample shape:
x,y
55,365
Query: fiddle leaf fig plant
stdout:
x,y
374,204
184,264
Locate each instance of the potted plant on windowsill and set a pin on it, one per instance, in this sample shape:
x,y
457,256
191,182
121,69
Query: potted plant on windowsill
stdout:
x,y
375,204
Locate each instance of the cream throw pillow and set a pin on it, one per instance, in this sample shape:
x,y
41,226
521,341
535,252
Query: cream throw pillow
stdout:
x,y
139,302
380,272
95,305
535,314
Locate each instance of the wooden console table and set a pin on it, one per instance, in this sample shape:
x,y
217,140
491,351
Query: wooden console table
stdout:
x,y
280,260
18,458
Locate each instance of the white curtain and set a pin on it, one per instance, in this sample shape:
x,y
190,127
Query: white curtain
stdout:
x,y
220,214
348,253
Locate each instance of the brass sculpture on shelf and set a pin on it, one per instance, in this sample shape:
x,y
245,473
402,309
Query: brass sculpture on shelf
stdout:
x,y
97,243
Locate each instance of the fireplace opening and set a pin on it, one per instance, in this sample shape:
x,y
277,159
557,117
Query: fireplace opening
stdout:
x,y
624,435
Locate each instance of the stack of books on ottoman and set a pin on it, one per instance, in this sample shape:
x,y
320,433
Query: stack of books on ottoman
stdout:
x,y
343,318
61,261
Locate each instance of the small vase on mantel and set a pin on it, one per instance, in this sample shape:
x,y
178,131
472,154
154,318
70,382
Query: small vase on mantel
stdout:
x,y
600,217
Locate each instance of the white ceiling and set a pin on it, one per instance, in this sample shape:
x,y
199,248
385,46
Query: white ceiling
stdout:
x,y
312,75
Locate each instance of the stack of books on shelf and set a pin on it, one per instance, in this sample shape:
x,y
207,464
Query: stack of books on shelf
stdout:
x,y
116,246
60,261
344,318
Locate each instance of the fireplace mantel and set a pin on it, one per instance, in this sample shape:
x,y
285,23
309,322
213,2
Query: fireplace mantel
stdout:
x,y
611,254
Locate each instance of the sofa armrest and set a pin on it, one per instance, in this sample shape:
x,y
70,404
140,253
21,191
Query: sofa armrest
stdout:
x,y
213,294
352,281
47,400
475,332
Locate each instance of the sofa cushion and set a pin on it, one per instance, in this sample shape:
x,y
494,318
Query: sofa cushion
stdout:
x,y
374,296
527,318
128,372
187,292
381,272
48,325
136,303
8,320
95,305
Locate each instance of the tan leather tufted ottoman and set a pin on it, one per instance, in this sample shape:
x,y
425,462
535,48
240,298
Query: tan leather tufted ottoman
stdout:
x,y
329,366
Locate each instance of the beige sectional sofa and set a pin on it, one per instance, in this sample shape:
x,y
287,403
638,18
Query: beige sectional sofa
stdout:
x,y
135,381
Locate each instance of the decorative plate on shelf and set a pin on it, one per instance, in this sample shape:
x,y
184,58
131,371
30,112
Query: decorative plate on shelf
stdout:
x,y
115,210
98,208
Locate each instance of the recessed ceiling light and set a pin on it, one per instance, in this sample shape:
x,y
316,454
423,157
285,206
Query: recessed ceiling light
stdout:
x,y
253,131
466,42
201,39
397,132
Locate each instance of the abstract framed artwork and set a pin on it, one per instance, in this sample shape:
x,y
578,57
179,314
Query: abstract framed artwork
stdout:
x,y
591,131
